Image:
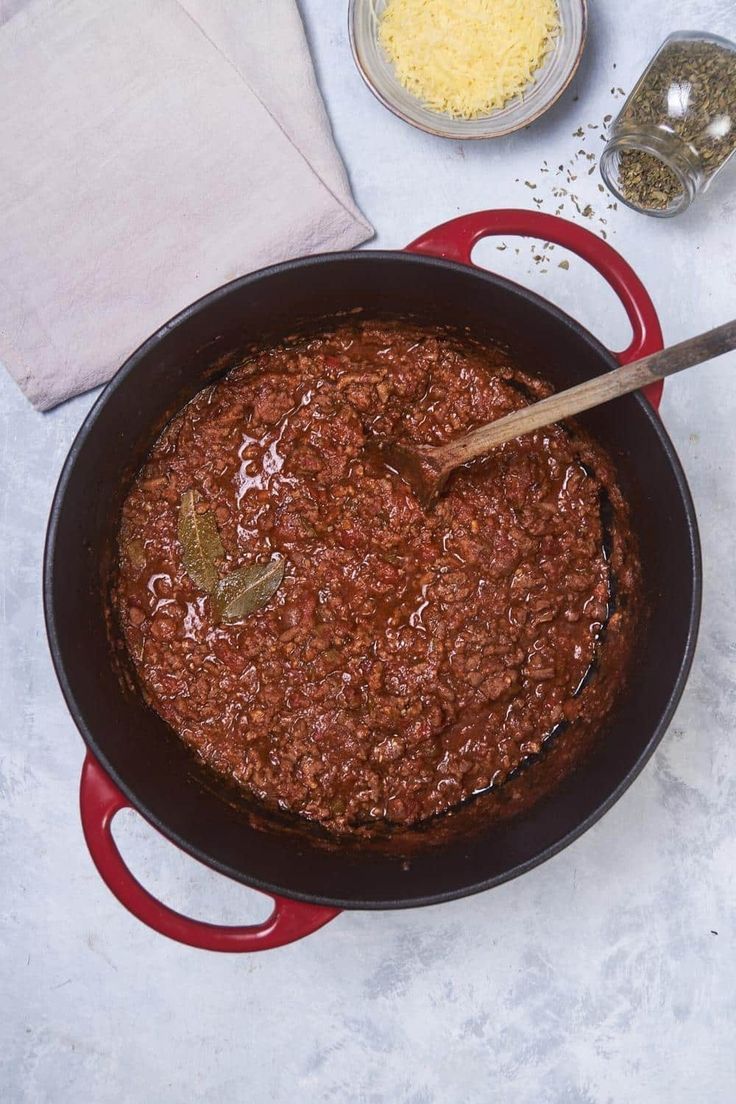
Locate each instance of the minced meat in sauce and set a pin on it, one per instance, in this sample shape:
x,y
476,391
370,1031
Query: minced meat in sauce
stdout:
x,y
408,659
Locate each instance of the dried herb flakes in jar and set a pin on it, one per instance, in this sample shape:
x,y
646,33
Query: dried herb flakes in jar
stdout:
x,y
646,181
677,128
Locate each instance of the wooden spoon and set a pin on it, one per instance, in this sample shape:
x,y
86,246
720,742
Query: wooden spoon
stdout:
x,y
427,467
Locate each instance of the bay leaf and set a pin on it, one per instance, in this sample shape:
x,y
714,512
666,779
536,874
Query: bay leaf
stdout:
x,y
246,589
200,542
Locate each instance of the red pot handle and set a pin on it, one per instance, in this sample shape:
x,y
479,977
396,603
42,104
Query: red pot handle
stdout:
x,y
455,240
100,800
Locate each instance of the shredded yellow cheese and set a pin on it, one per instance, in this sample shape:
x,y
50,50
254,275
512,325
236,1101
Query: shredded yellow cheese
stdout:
x,y
467,58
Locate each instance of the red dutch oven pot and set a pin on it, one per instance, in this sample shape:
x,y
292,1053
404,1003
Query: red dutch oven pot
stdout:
x,y
135,760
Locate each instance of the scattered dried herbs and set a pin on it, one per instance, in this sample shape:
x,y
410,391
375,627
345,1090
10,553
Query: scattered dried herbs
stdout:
x,y
246,589
200,542
568,173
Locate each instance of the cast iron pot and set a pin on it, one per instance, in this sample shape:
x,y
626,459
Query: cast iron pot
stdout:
x,y
134,759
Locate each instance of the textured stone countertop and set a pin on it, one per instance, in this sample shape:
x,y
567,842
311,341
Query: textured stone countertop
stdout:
x,y
608,973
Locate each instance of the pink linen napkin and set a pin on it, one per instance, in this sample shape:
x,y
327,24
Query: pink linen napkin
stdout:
x,y
151,150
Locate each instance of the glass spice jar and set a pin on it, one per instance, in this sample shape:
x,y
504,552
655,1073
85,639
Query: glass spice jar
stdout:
x,y
677,128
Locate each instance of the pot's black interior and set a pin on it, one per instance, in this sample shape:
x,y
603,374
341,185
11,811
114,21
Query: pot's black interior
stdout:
x,y
153,767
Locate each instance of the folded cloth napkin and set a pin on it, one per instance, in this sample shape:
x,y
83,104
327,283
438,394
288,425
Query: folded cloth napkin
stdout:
x,y
151,151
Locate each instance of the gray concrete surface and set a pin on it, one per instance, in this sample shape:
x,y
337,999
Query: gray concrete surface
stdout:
x,y
606,975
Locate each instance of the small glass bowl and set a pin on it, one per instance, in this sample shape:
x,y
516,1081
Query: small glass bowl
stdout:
x,y
549,83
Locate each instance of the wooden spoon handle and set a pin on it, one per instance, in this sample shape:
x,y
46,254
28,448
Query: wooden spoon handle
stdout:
x,y
593,392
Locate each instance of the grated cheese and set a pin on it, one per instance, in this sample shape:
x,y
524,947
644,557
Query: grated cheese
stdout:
x,y
467,58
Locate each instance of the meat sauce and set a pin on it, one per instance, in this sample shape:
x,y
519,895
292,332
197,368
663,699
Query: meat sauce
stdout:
x,y
408,660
